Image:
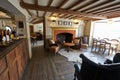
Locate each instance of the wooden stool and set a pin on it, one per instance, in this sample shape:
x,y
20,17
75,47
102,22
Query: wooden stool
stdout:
x,y
54,49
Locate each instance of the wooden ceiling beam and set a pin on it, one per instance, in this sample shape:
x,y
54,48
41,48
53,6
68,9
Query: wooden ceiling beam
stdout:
x,y
107,9
36,3
29,12
72,17
106,5
75,4
68,16
27,9
87,4
5,11
60,10
109,12
21,1
96,5
62,15
62,3
49,3
39,21
32,20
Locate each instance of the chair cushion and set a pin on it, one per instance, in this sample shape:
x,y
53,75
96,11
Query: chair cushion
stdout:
x,y
76,41
52,41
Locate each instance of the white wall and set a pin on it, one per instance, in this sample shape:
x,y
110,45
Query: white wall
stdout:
x,y
38,27
79,27
17,5
80,30
48,28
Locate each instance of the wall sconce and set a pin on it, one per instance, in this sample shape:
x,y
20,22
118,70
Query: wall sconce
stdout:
x,y
75,21
53,20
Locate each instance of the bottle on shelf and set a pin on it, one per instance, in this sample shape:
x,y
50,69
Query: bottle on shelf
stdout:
x,y
7,36
3,37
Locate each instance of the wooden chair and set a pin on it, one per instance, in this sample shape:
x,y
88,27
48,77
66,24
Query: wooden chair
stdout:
x,y
104,46
106,39
83,45
33,39
95,44
107,47
114,45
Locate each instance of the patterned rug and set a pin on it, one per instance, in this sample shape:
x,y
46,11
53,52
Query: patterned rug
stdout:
x,y
74,56
71,55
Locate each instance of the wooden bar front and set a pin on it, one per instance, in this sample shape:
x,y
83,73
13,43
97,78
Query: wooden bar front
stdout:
x,y
13,60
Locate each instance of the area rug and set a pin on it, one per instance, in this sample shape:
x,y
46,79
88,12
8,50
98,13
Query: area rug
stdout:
x,y
71,55
74,56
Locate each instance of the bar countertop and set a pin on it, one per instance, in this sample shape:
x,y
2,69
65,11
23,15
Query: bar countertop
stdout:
x,y
5,49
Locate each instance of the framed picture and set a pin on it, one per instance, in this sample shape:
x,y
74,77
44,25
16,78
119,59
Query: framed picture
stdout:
x,y
65,23
20,24
60,22
70,23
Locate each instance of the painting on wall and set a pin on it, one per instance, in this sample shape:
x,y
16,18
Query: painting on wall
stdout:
x,y
20,24
60,22
64,23
70,23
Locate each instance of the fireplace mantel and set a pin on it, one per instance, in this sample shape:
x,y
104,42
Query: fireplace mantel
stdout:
x,y
66,28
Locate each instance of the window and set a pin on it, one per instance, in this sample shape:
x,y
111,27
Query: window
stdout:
x,y
104,28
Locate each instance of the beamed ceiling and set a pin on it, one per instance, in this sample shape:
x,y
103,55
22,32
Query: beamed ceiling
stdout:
x,y
71,9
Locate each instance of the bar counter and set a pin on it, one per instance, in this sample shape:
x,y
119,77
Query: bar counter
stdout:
x,y
13,59
5,49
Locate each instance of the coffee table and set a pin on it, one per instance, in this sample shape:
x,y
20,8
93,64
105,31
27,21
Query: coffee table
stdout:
x,y
68,45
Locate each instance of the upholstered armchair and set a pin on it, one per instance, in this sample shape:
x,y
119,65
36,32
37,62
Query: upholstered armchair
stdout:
x,y
76,41
83,43
53,47
89,70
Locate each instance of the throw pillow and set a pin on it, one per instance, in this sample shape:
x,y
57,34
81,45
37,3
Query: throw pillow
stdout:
x,y
76,41
52,42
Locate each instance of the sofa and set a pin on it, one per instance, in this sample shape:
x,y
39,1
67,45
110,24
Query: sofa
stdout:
x,y
90,70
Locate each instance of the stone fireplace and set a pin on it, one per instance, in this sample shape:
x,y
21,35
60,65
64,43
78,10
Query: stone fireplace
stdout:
x,y
65,34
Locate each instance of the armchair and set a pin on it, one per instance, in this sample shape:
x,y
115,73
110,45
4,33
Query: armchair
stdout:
x,y
116,59
94,71
83,43
53,47
76,41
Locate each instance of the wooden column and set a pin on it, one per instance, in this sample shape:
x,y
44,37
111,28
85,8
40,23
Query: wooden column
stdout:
x,y
44,31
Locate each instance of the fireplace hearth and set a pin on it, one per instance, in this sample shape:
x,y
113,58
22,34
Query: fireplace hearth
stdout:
x,y
67,37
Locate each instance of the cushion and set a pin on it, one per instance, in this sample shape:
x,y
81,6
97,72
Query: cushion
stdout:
x,y
76,41
52,41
